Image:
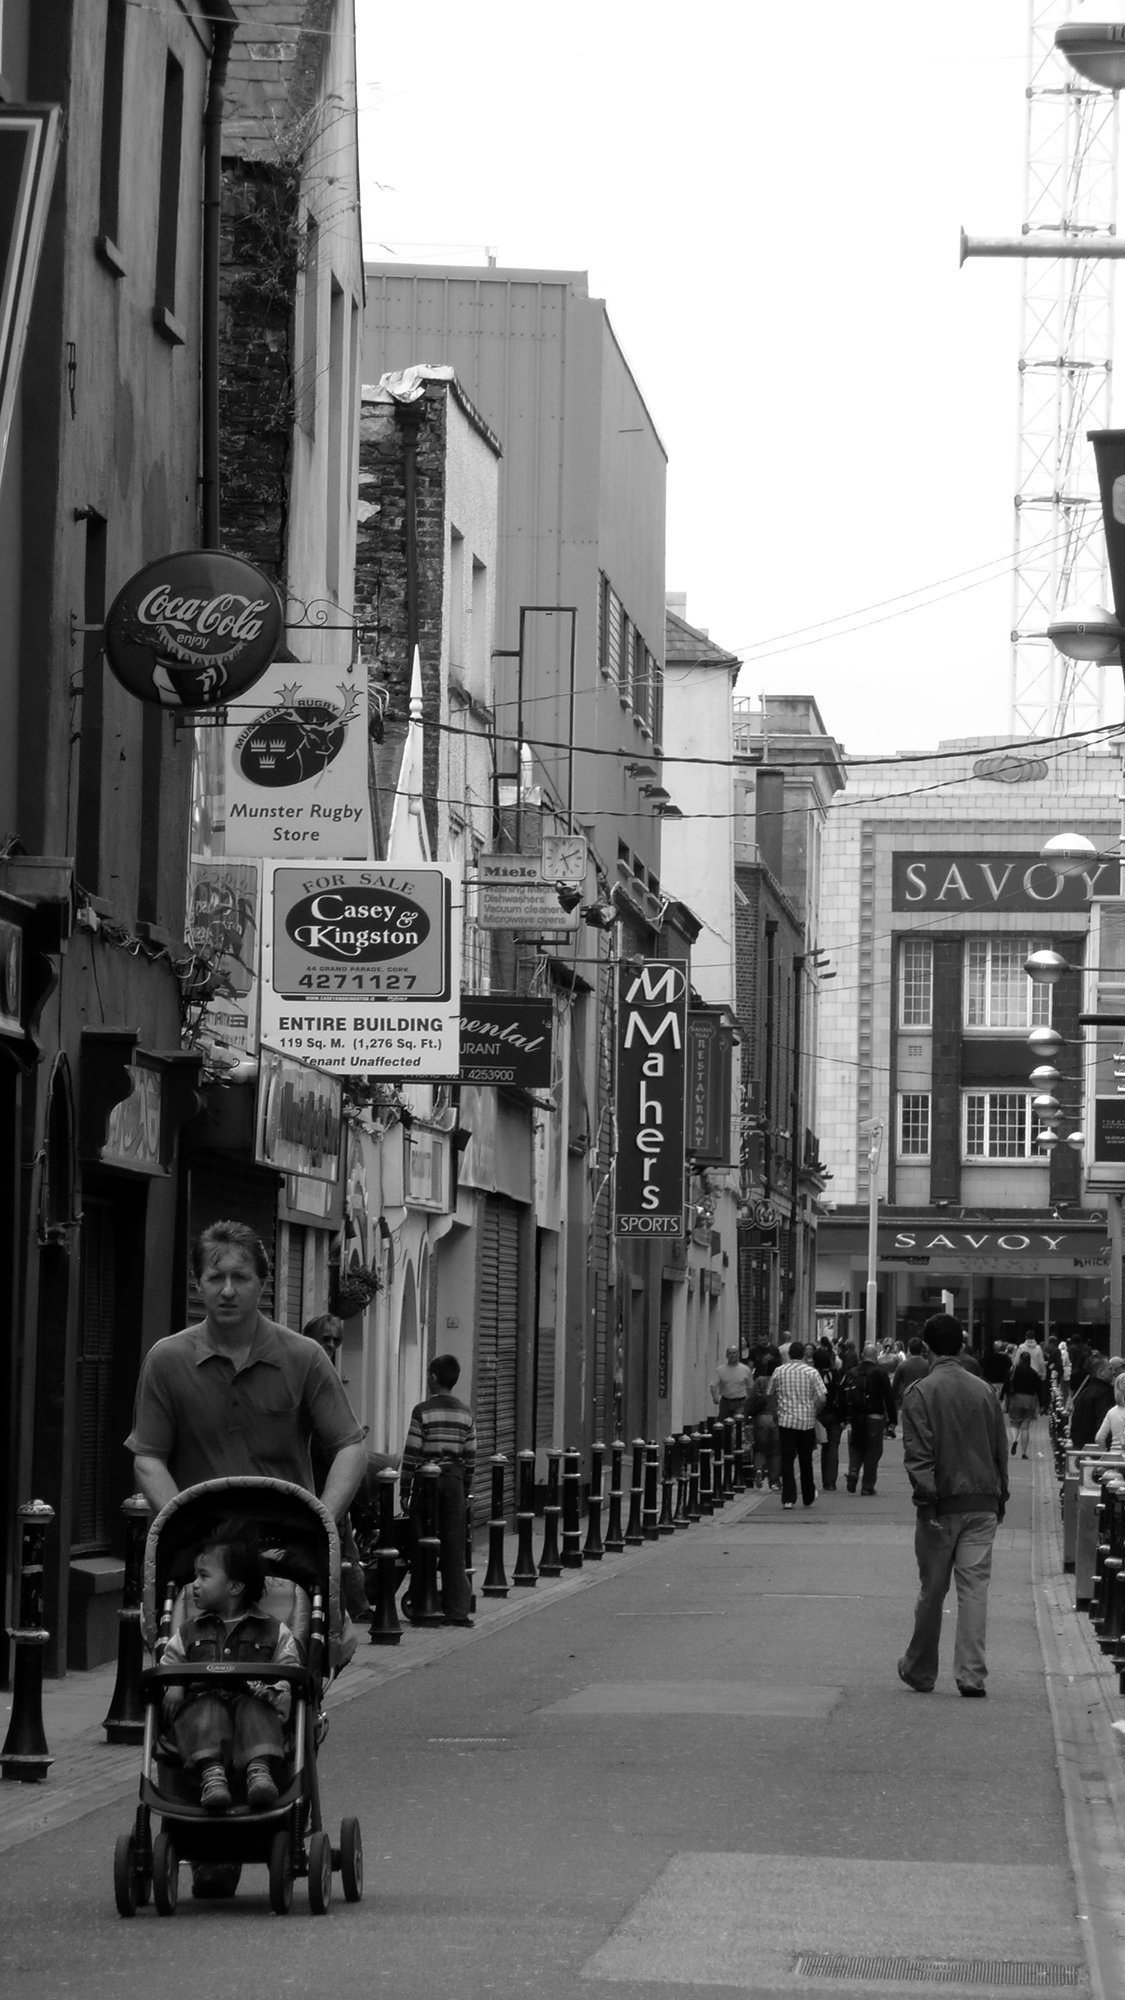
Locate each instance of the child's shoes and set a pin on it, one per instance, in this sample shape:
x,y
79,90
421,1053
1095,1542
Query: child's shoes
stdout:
x,y
214,1792
261,1792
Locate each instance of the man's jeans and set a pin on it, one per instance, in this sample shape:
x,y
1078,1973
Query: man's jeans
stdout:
x,y
865,1449
798,1445
951,1546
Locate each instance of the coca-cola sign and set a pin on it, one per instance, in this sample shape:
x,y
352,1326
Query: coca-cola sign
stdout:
x,y
193,630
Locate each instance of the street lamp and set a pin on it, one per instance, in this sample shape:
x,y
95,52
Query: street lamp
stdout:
x,y
874,1153
1086,632
1093,42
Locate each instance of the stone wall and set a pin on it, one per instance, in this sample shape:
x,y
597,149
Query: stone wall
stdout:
x,y
258,282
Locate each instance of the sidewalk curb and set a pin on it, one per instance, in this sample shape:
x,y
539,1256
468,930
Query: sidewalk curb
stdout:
x,y
1082,1697
87,1773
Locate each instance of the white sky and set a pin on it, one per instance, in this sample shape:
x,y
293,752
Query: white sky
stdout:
x,y
768,198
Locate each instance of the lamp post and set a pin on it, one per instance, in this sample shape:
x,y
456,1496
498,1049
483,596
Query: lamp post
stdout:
x,y
874,1154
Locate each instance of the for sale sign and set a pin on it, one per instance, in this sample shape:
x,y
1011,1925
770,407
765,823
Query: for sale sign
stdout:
x,y
359,970
651,1057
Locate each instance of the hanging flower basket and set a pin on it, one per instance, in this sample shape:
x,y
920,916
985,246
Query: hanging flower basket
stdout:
x,y
352,1291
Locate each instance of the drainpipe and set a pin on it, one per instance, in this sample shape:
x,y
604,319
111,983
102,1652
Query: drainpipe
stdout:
x,y
222,35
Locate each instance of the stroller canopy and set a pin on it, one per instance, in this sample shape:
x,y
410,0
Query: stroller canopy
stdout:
x,y
298,1539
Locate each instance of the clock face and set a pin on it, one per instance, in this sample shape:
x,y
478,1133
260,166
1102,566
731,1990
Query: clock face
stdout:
x,y
564,858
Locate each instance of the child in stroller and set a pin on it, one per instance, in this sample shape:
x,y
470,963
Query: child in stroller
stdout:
x,y
214,1729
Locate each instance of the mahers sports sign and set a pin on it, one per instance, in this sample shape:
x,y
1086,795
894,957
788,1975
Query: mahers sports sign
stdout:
x,y
651,1058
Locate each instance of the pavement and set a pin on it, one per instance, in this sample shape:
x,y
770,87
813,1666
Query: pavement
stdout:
x,y
690,1766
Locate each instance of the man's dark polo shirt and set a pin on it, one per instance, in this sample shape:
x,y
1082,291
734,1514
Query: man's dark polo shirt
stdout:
x,y
207,1420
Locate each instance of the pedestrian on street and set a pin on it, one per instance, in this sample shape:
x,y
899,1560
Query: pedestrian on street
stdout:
x,y
1111,1430
328,1330
1092,1400
833,1416
956,1456
797,1396
730,1386
763,1424
442,1432
914,1364
996,1368
871,1419
237,1393
1026,1396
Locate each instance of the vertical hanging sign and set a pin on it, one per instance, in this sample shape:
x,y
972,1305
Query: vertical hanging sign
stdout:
x,y
651,1057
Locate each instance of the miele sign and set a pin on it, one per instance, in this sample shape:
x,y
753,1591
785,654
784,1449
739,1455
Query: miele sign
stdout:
x,y
1019,882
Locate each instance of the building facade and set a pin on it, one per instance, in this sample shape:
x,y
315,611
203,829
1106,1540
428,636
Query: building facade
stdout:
x,y
934,895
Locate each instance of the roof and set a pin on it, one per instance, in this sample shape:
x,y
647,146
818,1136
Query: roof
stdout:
x,y
684,643
276,62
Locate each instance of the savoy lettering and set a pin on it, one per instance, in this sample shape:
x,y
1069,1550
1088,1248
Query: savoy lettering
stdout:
x,y
963,882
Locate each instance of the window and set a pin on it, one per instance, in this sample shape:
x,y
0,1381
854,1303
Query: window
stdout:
x,y
610,622
113,91
168,213
914,1125
916,983
996,1125
456,599
998,992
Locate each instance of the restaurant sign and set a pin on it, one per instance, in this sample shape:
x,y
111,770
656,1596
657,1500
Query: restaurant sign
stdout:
x,y
1013,882
506,1041
194,629
651,1079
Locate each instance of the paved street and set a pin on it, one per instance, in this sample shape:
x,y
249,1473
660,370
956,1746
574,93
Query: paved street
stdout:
x,y
689,1768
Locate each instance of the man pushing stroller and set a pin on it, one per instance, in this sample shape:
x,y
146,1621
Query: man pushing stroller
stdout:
x,y
240,1731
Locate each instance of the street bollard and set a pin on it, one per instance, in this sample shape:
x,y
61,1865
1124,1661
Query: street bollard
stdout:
x,y
728,1456
572,1508
125,1720
385,1627
718,1494
681,1518
525,1572
550,1561
495,1581
614,1534
650,1504
25,1755
634,1526
706,1470
470,1567
667,1523
695,1511
594,1548
425,1604
745,1450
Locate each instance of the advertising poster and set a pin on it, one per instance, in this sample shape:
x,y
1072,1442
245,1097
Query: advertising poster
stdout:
x,y
358,969
224,929
295,781
651,1092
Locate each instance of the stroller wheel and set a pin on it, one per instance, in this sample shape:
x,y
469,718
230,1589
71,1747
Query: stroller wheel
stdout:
x,y
320,1873
281,1873
125,1887
351,1860
165,1875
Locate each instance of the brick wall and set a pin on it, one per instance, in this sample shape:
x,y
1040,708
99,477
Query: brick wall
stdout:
x,y
257,288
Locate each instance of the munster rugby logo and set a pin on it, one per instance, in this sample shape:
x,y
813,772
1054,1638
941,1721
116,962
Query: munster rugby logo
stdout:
x,y
296,739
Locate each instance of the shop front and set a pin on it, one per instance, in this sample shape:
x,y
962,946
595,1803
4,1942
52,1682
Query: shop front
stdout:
x,y
1001,1277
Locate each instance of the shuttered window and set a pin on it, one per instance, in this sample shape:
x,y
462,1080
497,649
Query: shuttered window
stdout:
x,y
494,1370
92,1525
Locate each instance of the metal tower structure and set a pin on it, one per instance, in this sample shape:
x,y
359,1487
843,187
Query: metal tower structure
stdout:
x,y
1065,378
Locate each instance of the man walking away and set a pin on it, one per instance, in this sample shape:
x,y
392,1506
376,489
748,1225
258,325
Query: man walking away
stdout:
x,y
797,1395
443,1432
871,1419
955,1449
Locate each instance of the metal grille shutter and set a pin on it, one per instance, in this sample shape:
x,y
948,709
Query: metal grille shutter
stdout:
x,y
544,1388
220,1193
91,1526
494,1371
294,1279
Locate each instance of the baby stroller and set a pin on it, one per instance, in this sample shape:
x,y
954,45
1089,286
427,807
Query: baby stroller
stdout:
x,y
302,1554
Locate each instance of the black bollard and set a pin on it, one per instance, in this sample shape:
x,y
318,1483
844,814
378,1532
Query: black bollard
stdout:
x,y
125,1721
470,1569
525,1572
681,1518
743,1473
695,1511
718,1496
550,1561
667,1523
425,1604
706,1472
572,1508
728,1456
650,1505
614,1534
634,1527
593,1548
25,1756
385,1627
738,1473
495,1580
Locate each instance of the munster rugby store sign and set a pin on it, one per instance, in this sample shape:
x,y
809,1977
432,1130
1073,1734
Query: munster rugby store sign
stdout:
x,y
651,1097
